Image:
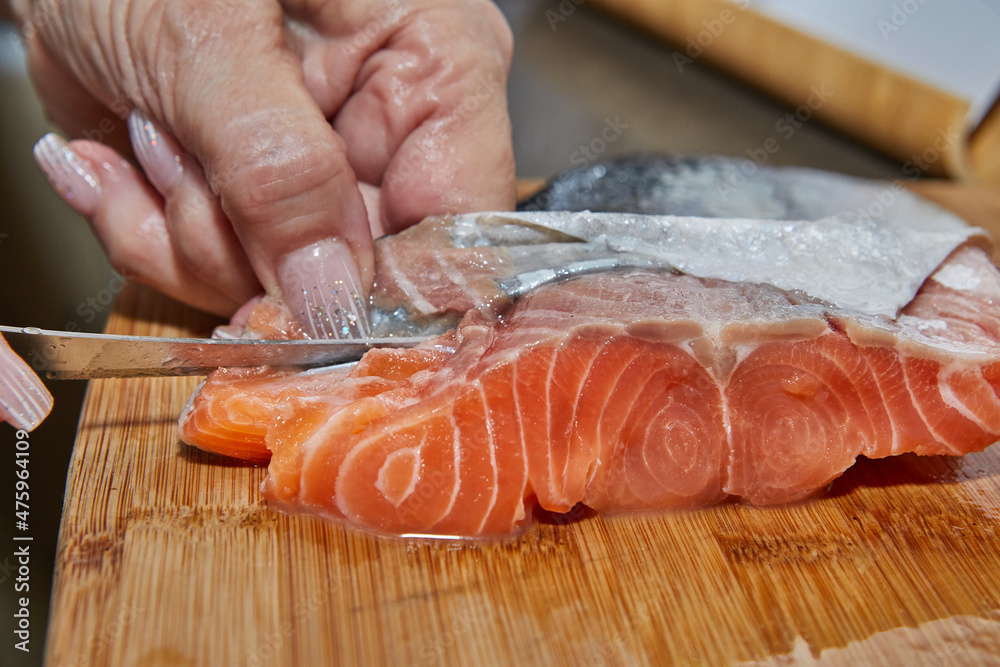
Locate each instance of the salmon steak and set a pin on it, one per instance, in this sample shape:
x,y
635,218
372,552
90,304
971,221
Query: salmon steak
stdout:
x,y
616,380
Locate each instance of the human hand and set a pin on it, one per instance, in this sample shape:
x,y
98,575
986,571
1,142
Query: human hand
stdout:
x,y
281,136
24,400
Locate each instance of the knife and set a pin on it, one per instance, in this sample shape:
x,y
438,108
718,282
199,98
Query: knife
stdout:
x,y
74,355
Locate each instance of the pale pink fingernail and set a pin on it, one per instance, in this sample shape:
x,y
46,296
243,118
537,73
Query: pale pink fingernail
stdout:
x,y
158,152
71,176
24,400
321,285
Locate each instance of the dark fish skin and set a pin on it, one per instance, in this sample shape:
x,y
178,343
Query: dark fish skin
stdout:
x,y
722,187
643,183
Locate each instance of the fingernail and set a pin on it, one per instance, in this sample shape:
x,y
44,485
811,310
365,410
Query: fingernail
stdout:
x,y
158,152
24,400
321,285
71,176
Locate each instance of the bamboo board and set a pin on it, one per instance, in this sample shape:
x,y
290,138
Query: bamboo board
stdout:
x,y
167,556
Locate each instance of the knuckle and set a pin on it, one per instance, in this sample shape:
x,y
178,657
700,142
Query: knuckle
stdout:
x,y
175,40
274,175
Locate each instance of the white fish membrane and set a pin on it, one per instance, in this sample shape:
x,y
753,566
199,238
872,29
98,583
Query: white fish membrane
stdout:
x,y
874,267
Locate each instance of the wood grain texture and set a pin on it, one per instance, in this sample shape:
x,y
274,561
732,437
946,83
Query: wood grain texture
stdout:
x,y
168,556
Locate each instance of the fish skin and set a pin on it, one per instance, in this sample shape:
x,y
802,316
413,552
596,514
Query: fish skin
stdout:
x,y
835,260
491,259
712,186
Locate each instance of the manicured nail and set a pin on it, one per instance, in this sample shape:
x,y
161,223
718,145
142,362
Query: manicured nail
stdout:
x,y
158,152
321,285
24,400
70,175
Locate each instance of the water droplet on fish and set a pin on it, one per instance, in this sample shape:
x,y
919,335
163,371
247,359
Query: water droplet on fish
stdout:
x,y
31,330
172,363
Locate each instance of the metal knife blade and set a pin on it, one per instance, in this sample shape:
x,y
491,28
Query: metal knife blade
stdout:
x,y
72,355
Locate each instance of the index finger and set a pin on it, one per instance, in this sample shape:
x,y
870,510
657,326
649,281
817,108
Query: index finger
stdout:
x,y
280,171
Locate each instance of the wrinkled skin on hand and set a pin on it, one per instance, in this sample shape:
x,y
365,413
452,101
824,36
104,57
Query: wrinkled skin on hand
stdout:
x,y
292,121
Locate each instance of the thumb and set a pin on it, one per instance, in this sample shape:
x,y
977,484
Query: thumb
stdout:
x,y
280,171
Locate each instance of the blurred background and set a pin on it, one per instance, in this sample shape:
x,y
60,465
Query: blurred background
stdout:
x,y
571,80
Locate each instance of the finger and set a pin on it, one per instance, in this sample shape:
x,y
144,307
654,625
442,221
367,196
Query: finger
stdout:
x,y
279,169
24,400
73,108
69,105
127,217
201,235
332,40
428,119
454,162
373,202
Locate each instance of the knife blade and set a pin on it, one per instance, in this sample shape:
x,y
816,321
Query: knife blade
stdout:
x,y
74,355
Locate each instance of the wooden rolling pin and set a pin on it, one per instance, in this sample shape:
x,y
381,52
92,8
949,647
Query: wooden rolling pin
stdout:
x,y
923,127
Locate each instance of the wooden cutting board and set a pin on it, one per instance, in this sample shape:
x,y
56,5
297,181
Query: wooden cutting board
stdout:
x,y
167,556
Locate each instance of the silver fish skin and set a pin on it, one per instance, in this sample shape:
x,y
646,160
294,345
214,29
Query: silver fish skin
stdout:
x,y
827,237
